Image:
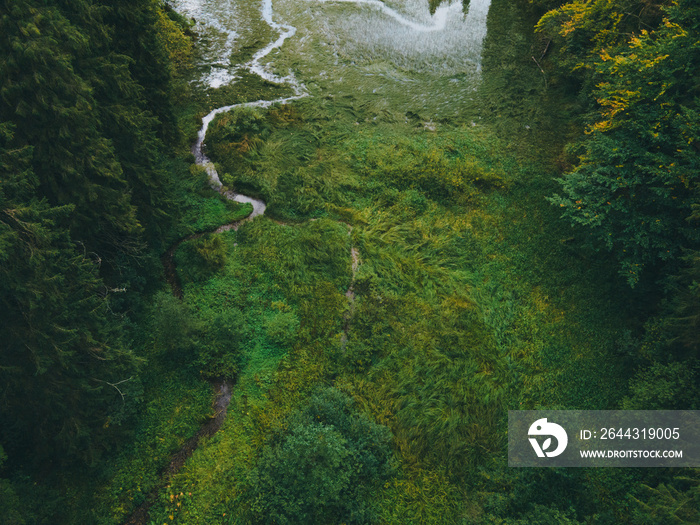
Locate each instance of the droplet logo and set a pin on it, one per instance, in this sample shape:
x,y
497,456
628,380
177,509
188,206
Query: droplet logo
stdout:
x,y
542,428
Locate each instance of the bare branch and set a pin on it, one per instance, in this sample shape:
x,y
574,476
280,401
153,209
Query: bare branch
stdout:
x,y
114,385
543,74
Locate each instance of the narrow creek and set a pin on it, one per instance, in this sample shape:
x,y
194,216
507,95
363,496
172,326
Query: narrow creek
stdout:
x,y
218,19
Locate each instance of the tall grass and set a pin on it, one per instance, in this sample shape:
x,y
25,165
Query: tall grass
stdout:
x,y
469,298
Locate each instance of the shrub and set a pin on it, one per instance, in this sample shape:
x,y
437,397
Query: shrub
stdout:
x,y
320,469
202,257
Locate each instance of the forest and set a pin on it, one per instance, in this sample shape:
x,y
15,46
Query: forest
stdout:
x,y
425,263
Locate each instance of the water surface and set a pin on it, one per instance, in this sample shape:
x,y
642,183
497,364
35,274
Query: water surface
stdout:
x,y
395,49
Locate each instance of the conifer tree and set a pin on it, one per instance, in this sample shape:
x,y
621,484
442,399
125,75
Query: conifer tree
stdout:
x,y
63,367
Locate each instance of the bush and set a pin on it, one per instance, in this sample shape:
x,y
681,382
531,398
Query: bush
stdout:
x,y
321,468
201,257
219,353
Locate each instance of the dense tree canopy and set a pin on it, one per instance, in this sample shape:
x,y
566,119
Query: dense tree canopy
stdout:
x,y
636,183
86,85
61,360
84,105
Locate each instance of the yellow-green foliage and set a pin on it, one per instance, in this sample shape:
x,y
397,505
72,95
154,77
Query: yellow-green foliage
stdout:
x,y
420,496
173,412
449,326
171,35
442,174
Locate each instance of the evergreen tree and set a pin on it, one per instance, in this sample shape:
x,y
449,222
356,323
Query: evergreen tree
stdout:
x,y
55,112
63,368
86,84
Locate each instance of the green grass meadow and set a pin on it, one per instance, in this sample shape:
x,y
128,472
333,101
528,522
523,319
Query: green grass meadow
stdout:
x,y
470,296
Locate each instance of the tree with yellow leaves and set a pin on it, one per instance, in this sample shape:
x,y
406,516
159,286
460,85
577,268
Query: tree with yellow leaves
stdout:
x,y
636,181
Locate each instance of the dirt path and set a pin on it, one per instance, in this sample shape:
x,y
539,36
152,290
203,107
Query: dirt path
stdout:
x,y
223,388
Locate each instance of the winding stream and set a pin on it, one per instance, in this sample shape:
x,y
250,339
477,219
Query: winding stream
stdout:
x,y
254,66
210,18
219,19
